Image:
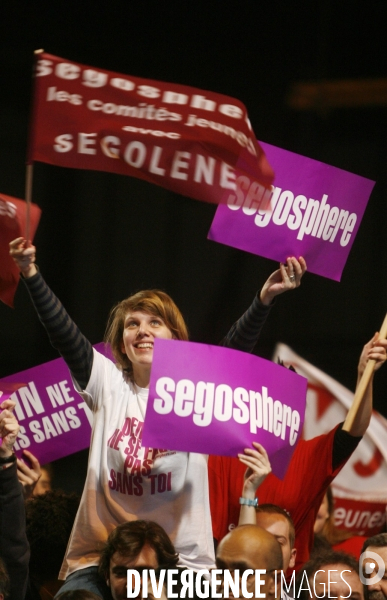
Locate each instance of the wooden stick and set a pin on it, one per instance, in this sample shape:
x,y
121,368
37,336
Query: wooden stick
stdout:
x,y
29,174
363,383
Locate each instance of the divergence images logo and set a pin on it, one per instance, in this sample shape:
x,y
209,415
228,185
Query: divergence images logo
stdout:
x,y
368,562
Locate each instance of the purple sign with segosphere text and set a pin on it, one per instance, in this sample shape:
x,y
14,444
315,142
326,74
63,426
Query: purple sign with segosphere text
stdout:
x,y
313,211
214,400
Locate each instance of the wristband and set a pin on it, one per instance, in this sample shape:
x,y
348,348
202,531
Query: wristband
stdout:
x,y
8,459
248,502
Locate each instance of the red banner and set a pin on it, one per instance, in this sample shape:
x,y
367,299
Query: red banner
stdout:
x,y
189,141
13,225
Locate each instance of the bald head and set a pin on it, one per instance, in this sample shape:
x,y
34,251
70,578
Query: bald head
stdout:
x,y
252,546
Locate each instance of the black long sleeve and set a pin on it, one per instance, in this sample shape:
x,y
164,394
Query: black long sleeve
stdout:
x,y
63,333
245,332
343,445
77,351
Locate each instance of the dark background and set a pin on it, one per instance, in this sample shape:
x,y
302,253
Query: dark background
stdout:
x,y
104,236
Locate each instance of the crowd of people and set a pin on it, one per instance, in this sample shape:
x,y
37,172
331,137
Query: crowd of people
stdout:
x,y
211,518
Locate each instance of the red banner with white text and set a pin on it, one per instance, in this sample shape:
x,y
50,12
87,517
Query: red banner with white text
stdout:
x,y
184,139
360,489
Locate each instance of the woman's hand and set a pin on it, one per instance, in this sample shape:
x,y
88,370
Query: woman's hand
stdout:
x,y
258,468
9,428
28,476
23,254
375,349
287,277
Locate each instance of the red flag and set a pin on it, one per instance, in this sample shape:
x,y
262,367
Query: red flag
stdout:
x,y
187,140
13,225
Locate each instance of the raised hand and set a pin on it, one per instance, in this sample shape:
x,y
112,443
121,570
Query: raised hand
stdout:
x,y
258,468
23,253
375,349
287,277
28,476
9,428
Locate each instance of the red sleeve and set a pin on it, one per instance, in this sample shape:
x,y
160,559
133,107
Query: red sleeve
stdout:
x,y
306,480
225,476
300,492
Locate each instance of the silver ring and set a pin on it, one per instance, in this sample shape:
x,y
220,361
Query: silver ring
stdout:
x,y
291,277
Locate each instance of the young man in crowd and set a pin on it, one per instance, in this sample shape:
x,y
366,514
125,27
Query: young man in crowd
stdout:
x,y
330,575
135,545
377,544
280,524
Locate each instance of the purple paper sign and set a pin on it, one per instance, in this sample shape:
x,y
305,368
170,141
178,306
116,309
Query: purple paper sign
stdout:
x,y
313,211
54,419
214,400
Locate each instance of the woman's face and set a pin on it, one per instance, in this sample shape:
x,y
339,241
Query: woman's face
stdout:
x,y
322,515
140,331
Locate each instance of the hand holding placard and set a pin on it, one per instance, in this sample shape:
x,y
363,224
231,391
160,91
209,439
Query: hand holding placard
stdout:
x,y
313,210
287,277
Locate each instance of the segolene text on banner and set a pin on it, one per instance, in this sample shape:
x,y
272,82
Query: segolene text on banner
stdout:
x,y
215,400
184,139
313,210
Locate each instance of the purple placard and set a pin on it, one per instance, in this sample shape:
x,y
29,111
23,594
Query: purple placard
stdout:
x,y
214,400
299,222
54,419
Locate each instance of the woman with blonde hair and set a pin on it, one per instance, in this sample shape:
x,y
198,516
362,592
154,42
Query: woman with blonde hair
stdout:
x,y
126,481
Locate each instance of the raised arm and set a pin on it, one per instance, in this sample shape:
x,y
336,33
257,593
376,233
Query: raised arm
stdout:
x,y
258,468
375,349
245,332
63,333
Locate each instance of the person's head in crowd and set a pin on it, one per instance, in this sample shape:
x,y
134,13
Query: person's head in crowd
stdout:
x,y
134,545
325,530
44,483
251,547
4,581
325,513
330,575
77,595
278,522
49,519
378,545
176,587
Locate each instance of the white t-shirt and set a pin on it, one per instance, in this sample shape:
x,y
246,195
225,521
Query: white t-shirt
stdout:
x,y
126,481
